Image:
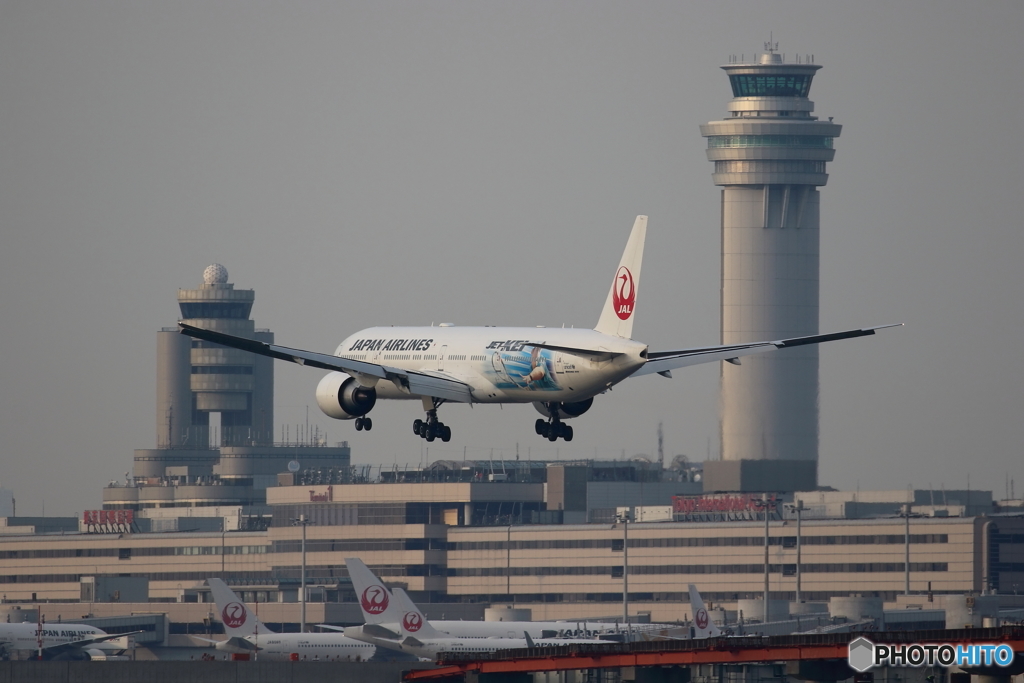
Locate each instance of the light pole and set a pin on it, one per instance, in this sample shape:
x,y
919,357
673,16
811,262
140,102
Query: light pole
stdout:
x,y
302,521
765,506
906,514
624,518
798,507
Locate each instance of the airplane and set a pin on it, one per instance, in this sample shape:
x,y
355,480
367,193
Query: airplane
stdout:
x,y
62,642
419,637
703,627
247,635
559,371
382,615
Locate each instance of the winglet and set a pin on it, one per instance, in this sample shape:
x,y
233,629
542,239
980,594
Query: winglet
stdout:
x,y
620,306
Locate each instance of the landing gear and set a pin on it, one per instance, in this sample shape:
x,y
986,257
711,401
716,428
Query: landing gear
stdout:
x,y
432,428
363,423
553,428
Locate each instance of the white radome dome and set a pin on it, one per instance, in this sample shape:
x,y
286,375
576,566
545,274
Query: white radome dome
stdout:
x,y
215,274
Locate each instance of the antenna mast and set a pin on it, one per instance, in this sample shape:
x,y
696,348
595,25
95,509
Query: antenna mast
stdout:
x,y
661,445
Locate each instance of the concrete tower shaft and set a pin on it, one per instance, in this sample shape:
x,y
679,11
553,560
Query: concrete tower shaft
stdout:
x,y
770,155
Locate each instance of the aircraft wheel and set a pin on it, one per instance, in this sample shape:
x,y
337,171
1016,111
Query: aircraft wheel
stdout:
x,y
431,435
553,433
359,424
446,434
540,425
367,423
567,433
416,425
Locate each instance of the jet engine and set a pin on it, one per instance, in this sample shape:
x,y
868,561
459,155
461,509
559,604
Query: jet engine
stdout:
x,y
565,410
343,398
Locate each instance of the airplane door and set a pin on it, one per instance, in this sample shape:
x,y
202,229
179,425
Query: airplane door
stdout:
x,y
440,357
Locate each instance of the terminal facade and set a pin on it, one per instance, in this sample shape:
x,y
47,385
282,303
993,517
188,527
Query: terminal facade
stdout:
x,y
451,536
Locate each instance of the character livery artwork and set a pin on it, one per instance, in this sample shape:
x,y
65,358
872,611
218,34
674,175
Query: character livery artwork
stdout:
x,y
530,368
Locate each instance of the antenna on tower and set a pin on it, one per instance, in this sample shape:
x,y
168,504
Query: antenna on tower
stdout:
x,y
661,445
771,46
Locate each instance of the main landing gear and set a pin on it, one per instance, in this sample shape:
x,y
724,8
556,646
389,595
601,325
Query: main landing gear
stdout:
x,y
553,428
432,428
364,423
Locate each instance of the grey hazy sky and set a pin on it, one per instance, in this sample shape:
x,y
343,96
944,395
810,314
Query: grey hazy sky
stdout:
x,y
377,163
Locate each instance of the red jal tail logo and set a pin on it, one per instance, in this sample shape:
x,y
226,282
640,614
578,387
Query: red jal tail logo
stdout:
x,y
623,293
374,600
701,618
233,615
412,622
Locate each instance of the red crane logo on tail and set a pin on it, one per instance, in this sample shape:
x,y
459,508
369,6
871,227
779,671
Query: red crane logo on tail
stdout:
x,y
701,618
623,293
233,615
374,600
412,622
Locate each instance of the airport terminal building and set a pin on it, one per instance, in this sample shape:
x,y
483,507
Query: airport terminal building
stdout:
x,y
459,542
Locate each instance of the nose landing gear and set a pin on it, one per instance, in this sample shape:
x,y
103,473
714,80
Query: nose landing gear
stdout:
x,y
363,423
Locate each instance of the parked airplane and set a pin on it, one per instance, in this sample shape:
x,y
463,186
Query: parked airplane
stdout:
x,y
559,371
419,637
703,627
61,641
247,634
383,614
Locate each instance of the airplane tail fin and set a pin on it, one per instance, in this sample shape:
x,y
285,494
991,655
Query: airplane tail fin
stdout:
x,y
238,621
703,627
413,623
617,314
374,599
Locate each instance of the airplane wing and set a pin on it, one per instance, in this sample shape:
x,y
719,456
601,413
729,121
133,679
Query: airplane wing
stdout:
x,y
420,383
84,642
662,362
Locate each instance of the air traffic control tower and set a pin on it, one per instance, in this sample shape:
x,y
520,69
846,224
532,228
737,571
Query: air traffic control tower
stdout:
x,y
769,155
221,476
196,378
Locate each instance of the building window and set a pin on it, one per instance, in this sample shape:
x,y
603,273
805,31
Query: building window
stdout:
x,y
770,85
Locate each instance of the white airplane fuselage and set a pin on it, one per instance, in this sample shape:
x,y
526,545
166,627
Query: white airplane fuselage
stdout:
x,y
277,647
501,364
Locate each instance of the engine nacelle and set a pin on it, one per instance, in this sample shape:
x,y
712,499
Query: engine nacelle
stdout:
x,y
565,410
343,398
